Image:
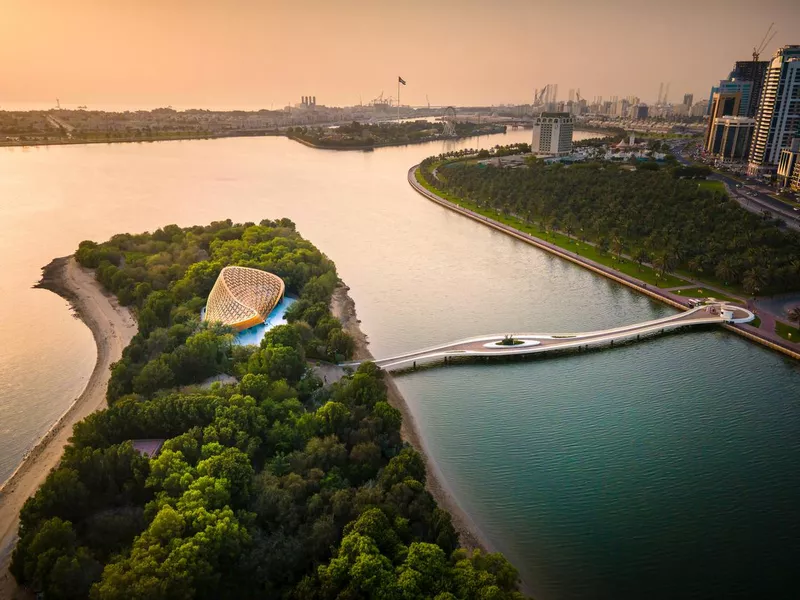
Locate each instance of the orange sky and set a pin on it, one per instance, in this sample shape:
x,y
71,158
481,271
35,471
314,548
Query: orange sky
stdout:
x,y
250,54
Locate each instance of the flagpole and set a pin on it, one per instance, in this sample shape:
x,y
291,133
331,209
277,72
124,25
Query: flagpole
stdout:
x,y
398,99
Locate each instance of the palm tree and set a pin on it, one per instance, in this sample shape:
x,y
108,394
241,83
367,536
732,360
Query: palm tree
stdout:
x,y
696,264
642,256
569,226
794,316
617,246
753,281
726,271
664,262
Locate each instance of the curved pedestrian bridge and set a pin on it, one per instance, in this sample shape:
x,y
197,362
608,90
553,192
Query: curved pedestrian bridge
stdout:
x,y
540,343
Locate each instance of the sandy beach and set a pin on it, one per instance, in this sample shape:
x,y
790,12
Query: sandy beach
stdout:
x,y
343,308
113,327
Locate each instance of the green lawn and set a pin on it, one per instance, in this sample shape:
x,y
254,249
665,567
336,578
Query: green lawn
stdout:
x,y
706,293
646,274
730,174
712,185
755,322
786,332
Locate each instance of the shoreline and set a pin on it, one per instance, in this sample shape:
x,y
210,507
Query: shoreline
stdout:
x,y
384,144
469,535
112,327
180,138
746,331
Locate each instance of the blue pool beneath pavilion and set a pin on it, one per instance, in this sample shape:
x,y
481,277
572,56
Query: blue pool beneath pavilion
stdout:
x,y
254,335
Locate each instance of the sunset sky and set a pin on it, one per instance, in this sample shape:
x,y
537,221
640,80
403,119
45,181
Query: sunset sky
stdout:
x,y
263,54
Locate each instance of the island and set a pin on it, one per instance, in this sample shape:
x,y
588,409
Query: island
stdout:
x,y
226,470
366,136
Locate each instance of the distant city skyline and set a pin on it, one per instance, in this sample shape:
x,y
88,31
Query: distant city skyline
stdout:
x,y
248,54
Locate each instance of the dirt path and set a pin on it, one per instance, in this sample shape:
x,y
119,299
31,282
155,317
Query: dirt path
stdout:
x,y
113,327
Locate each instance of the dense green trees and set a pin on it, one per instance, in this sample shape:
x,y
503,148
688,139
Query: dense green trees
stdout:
x,y
166,277
367,135
651,215
274,486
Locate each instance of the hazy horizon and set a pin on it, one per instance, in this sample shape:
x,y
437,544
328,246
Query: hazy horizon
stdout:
x,y
249,55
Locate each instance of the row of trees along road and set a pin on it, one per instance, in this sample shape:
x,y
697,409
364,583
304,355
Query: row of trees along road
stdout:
x,y
272,487
656,214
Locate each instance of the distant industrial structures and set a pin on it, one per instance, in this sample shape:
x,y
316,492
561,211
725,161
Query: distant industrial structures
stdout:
x,y
749,123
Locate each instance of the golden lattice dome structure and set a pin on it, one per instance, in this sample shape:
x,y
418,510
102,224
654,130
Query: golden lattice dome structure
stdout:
x,y
243,297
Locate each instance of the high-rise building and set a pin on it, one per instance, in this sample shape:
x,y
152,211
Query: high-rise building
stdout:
x,y
789,166
552,133
723,104
753,71
778,115
729,137
734,86
687,100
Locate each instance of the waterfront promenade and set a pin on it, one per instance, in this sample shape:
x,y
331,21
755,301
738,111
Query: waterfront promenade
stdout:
x,y
540,343
765,338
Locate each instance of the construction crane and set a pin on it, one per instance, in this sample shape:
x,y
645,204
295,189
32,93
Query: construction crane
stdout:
x,y
764,42
538,97
428,101
578,95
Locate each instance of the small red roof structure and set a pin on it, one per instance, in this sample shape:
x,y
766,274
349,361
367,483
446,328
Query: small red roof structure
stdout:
x,y
148,448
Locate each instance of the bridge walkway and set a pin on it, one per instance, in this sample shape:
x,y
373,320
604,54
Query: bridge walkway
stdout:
x,y
537,343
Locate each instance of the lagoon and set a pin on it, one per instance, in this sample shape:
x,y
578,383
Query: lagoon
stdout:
x,y
663,469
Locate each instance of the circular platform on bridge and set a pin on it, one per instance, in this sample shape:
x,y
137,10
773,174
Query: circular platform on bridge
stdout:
x,y
500,346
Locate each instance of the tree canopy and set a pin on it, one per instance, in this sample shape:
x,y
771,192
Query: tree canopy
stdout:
x,y
271,487
658,213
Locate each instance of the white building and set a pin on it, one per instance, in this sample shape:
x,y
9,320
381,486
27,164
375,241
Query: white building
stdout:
x,y
778,116
552,134
729,138
789,166
699,108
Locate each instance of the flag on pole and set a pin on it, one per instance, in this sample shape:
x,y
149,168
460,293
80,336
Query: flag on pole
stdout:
x,y
401,80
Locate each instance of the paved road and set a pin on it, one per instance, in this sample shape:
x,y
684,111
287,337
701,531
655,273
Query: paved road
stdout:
x,y
756,201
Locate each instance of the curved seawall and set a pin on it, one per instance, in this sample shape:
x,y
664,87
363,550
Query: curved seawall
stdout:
x,y
748,332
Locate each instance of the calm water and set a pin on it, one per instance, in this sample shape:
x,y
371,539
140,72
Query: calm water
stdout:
x,y
664,469
254,335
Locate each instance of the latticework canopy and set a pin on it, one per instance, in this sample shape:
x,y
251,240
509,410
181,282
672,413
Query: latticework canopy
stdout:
x,y
243,297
